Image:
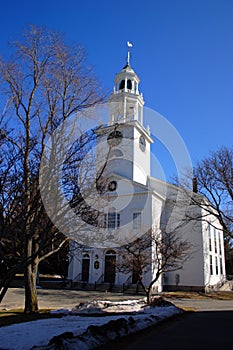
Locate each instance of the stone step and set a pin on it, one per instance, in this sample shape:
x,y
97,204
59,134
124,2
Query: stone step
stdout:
x,y
107,287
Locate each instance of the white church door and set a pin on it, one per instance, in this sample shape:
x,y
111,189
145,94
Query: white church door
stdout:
x,y
85,267
110,266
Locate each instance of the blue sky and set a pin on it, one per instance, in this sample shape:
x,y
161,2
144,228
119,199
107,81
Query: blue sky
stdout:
x,y
183,53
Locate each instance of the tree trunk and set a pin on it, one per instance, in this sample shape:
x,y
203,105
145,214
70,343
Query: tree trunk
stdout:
x,y
149,295
30,274
31,302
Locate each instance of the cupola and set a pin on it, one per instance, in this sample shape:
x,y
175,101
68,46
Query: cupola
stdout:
x,y
126,102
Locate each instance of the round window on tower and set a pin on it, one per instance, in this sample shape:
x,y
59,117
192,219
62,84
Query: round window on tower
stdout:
x,y
142,143
112,186
114,138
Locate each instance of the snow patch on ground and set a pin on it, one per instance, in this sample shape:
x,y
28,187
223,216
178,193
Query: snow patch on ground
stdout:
x,y
86,326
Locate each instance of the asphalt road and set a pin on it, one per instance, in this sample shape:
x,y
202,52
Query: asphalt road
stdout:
x,y
204,330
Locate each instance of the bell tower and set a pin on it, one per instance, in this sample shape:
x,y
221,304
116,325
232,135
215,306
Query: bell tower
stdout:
x,y
126,103
127,139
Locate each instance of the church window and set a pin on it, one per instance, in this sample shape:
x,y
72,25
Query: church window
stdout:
x,y
209,235
215,241
129,84
118,220
136,220
216,264
113,219
220,245
142,143
211,265
114,138
221,269
115,153
102,220
122,85
112,186
111,252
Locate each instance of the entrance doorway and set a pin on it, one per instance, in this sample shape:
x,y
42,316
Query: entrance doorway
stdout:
x,y
110,266
85,267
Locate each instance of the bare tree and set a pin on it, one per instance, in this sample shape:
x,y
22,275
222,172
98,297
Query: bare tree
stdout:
x,y
156,252
212,193
215,181
212,189
43,84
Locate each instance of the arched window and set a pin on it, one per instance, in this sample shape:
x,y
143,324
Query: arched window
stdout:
x,y
122,85
129,84
115,153
111,252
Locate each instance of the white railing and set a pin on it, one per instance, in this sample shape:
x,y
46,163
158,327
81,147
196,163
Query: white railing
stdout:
x,y
127,90
78,277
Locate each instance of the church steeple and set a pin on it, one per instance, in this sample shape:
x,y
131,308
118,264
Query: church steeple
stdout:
x,y
128,141
126,102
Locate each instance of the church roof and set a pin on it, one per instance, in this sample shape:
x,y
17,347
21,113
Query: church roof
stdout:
x,y
127,70
128,67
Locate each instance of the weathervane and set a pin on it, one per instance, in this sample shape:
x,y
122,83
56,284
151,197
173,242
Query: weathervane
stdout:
x,y
129,44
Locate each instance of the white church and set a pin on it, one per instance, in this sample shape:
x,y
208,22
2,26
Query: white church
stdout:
x,y
138,202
